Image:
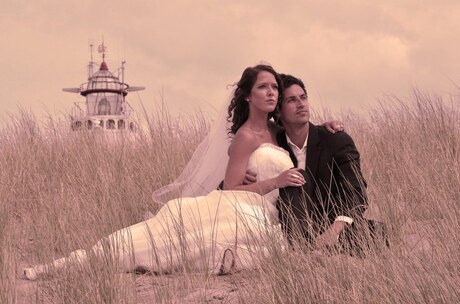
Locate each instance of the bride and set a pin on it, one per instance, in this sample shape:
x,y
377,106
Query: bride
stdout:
x,y
206,229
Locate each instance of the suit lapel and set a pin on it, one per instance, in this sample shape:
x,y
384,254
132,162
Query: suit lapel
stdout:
x,y
282,141
313,150
312,161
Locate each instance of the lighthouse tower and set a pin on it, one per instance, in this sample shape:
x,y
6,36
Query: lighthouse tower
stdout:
x,y
106,107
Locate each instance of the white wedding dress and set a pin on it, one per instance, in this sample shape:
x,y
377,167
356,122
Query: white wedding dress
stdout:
x,y
199,233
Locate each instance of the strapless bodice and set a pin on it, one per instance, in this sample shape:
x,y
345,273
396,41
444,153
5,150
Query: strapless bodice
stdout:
x,y
268,161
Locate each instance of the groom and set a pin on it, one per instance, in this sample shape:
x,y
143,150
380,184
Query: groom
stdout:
x,y
328,209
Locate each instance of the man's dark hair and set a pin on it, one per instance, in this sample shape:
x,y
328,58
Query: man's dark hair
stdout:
x,y
289,80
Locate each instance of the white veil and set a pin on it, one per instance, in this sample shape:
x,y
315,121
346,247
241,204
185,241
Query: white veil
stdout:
x,y
206,168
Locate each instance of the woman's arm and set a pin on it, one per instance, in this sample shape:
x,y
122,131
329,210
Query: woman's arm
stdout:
x,y
242,146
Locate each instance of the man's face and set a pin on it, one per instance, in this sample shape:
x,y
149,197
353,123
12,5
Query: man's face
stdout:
x,y
294,109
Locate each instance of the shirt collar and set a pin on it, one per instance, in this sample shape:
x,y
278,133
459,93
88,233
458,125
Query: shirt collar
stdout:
x,y
289,141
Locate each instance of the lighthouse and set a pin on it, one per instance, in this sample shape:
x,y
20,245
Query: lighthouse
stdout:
x,y
106,107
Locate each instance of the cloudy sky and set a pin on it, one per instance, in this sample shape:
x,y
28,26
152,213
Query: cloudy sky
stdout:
x,y
350,53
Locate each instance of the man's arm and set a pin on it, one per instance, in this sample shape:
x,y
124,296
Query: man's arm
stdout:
x,y
351,197
250,177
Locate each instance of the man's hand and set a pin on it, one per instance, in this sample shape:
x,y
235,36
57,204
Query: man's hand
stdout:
x,y
334,126
330,237
250,178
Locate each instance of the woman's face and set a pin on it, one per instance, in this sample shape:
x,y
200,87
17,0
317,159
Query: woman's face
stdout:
x,y
264,93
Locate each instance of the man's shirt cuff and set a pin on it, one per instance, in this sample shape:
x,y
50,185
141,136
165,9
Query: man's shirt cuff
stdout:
x,y
346,219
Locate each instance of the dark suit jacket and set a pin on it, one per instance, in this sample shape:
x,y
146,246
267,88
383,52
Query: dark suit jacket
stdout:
x,y
334,182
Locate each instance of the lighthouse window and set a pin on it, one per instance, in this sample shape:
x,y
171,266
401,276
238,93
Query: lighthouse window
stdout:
x,y
89,124
121,124
76,125
110,124
104,107
131,126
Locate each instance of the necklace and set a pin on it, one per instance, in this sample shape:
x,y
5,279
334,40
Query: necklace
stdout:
x,y
258,131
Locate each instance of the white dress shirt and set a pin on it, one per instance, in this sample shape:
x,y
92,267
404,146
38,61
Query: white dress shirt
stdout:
x,y
301,155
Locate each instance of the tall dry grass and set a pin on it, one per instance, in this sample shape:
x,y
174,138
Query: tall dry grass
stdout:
x,y
411,160
61,191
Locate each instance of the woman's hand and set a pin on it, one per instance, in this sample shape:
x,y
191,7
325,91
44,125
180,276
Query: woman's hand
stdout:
x,y
334,126
290,178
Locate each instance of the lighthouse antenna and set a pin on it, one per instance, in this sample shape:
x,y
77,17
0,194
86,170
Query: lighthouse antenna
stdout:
x,y
123,77
102,49
90,65
91,50
123,71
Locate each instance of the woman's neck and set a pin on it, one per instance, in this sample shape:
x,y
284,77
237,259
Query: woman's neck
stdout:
x,y
257,122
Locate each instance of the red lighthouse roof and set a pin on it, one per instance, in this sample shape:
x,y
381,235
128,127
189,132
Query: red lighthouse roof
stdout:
x,y
104,66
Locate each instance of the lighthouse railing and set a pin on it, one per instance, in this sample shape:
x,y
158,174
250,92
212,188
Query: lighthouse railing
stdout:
x,y
79,110
105,85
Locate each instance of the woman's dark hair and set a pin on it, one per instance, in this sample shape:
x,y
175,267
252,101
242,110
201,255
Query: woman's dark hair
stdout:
x,y
238,110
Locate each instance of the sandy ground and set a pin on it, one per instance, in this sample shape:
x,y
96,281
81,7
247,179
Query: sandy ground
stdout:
x,y
218,289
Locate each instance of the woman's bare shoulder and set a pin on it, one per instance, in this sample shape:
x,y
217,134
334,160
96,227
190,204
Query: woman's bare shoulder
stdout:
x,y
243,139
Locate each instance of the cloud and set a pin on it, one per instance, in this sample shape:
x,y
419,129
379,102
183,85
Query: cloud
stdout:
x,y
348,52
